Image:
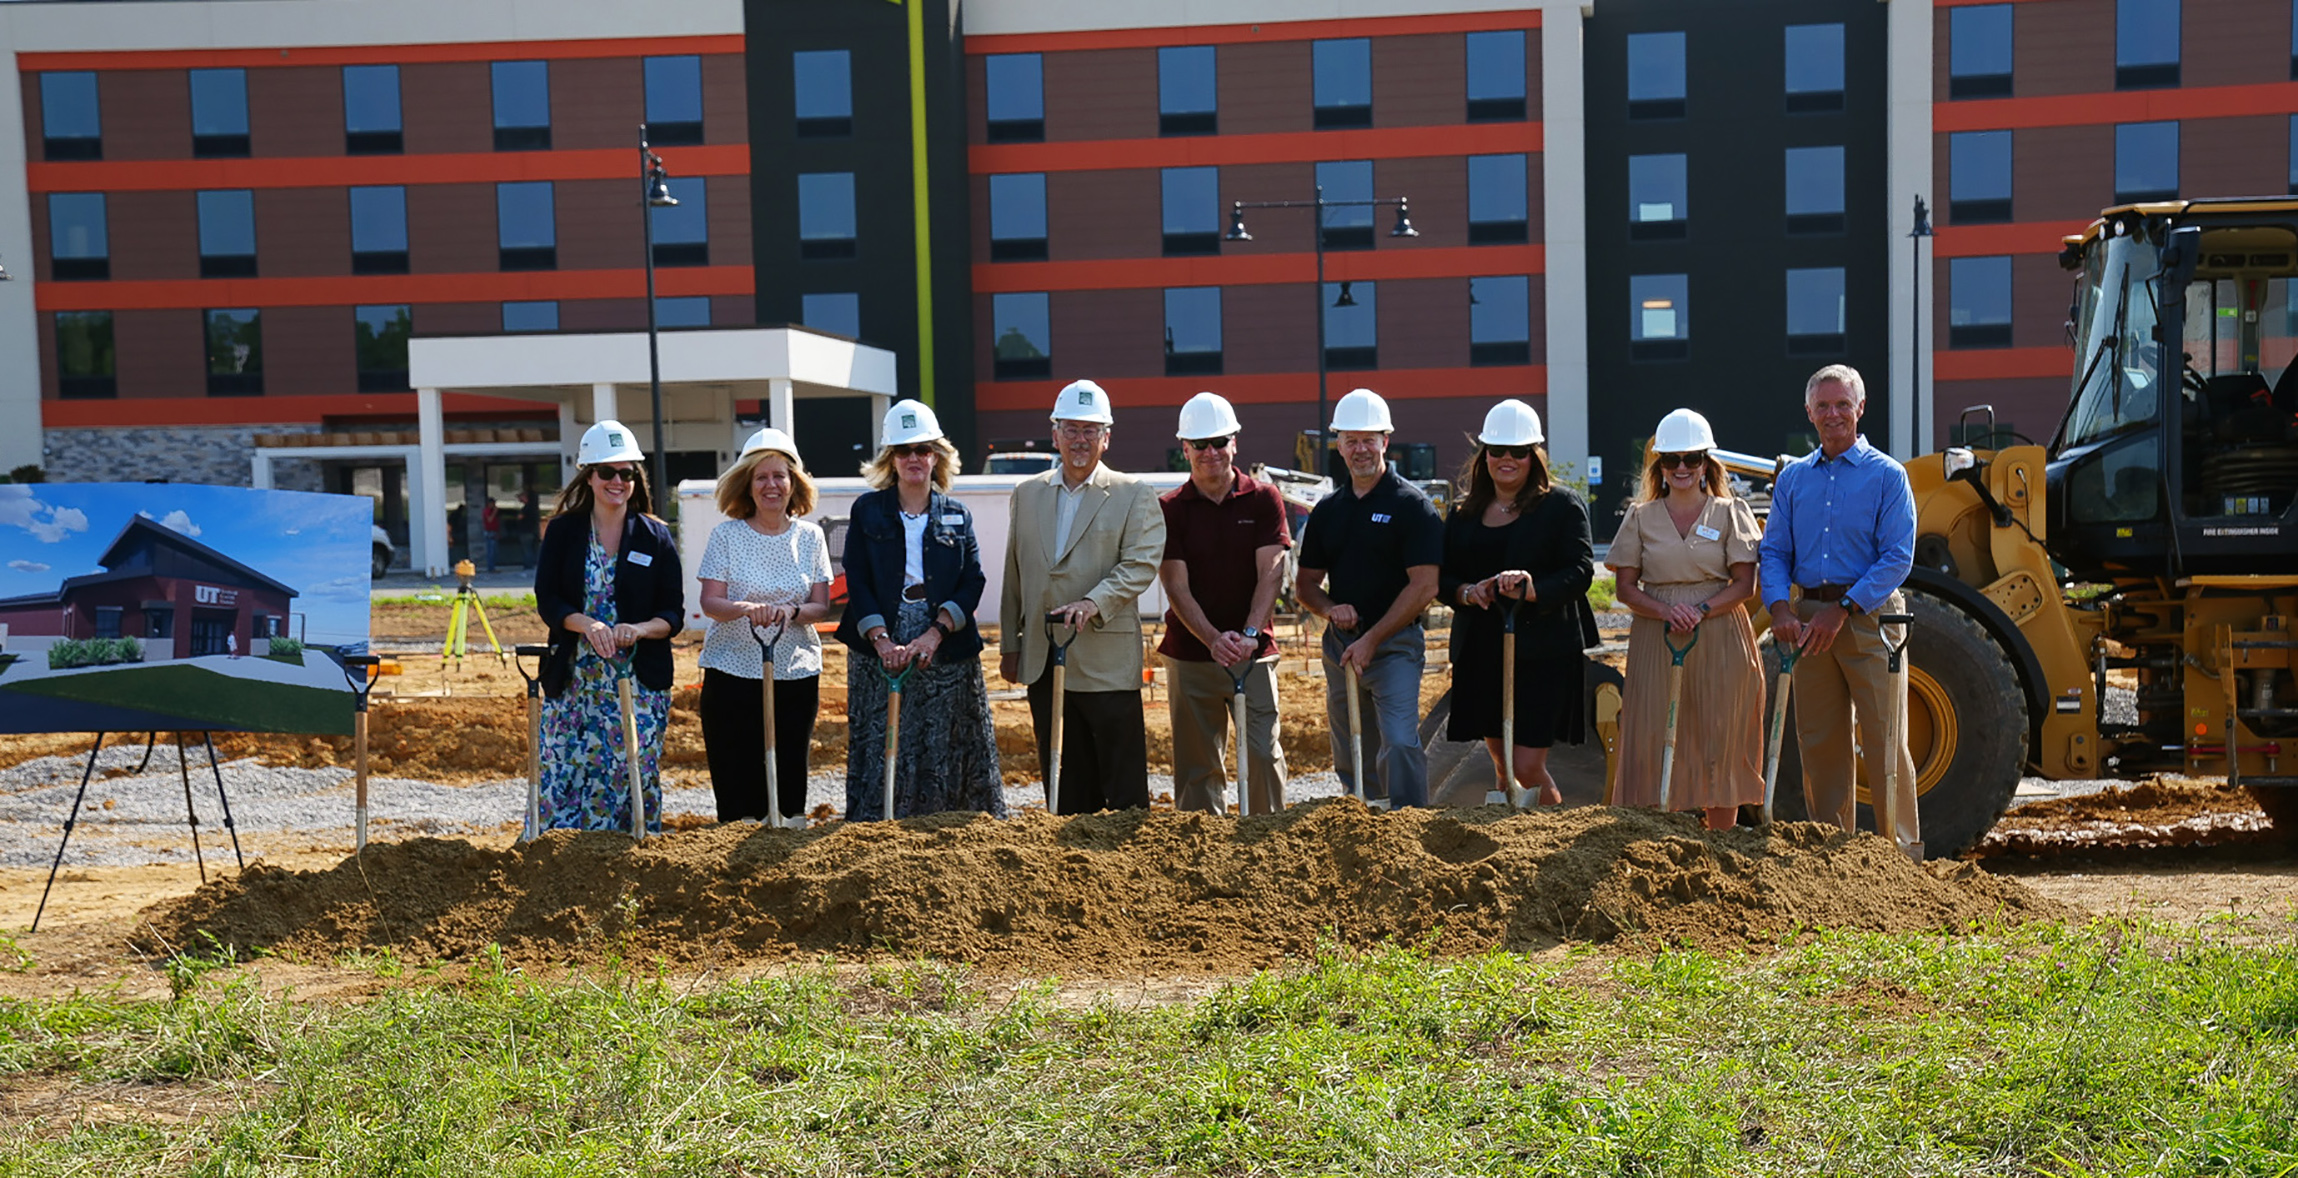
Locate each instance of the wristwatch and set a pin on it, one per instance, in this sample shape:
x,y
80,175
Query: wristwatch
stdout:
x,y
1703,609
1849,606
1252,634
942,627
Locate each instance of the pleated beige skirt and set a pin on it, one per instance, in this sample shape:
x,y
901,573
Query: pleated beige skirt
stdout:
x,y
1719,721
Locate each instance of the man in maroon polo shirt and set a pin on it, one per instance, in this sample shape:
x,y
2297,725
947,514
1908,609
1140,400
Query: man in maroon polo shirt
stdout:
x,y
1225,541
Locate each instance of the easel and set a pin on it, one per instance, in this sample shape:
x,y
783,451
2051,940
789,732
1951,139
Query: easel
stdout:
x,y
459,622
191,813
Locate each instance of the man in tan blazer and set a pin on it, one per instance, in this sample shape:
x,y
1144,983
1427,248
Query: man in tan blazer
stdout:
x,y
1083,541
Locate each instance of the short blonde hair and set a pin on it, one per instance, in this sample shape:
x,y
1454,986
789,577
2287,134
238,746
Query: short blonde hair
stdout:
x,y
881,473
1838,372
734,499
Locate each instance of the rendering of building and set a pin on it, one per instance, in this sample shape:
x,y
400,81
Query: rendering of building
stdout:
x,y
162,585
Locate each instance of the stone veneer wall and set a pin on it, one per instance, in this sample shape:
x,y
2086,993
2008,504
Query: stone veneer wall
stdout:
x,y
217,455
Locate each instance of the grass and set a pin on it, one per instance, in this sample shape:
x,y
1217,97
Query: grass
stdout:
x,y
445,595
198,697
2111,1049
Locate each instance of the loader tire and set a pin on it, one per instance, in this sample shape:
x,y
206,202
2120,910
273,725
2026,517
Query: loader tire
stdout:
x,y
1966,728
1460,772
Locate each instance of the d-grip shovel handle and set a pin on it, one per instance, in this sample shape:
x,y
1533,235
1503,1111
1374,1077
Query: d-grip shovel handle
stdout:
x,y
1897,650
1056,620
1676,653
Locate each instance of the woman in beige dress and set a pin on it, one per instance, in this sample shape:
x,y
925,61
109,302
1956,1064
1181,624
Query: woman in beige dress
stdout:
x,y
1686,558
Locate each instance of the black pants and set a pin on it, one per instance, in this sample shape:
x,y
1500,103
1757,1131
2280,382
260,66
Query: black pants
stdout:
x,y
734,736
1104,746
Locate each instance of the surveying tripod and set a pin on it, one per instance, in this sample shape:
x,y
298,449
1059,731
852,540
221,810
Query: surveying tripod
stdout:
x,y
459,623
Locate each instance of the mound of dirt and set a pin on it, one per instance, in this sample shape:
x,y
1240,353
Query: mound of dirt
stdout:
x,y
1126,890
2159,812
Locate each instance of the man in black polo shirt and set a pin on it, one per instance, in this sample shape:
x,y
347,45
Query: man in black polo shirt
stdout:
x,y
1378,540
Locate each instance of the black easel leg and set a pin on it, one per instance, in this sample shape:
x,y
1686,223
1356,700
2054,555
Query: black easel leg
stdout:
x,y
191,815
217,766
75,817
151,741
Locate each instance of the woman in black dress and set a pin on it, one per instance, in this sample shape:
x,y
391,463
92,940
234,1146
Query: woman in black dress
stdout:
x,y
1517,538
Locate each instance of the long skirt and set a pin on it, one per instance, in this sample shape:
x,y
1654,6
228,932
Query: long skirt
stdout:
x,y
1719,719
947,759
586,780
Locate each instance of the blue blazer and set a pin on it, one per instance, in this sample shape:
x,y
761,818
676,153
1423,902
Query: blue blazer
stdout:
x,y
654,587
874,559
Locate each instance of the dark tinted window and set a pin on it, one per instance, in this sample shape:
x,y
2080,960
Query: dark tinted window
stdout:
x,y
227,234
1188,91
371,113
234,353
826,215
838,311
682,231
379,230
1978,177
1497,187
1659,317
381,342
1979,51
683,312
79,244
2145,161
71,123
522,105
533,316
1814,68
825,93
1659,197
2145,43
1352,326
1495,75
1343,82
673,100
2294,163
1979,302
1016,104
219,112
526,225
1021,336
1655,75
86,365
1192,210
1815,311
1192,330
1347,180
1017,217
1500,320
1815,190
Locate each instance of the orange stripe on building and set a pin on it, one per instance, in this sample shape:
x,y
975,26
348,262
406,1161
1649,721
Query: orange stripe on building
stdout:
x,y
1258,269
346,290
1090,155
1269,388
321,55
723,159
978,44
2002,363
2018,237
2120,106
313,408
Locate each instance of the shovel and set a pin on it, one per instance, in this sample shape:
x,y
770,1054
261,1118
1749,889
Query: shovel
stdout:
x,y
1516,794
767,640
1237,676
359,669
894,681
625,695
1355,734
1060,689
1787,658
534,823
1887,809
1675,697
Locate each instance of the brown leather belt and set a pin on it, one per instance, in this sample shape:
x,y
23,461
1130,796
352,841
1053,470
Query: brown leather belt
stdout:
x,y
913,593
1825,592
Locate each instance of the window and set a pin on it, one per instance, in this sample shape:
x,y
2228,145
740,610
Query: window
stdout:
x,y
1655,75
1814,190
1193,331
1500,320
1658,198
680,313
1659,317
84,357
78,245
227,234
522,105
71,123
1815,312
1021,336
382,347
826,215
2145,162
1192,210
531,316
1979,302
1352,328
1814,68
1497,193
1979,51
219,113
825,84
1017,217
1343,82
2294,154
2145,44
379,230
673,101
2294,40
682,231
234,353
108,620
1496,76
839,313
1978,177
371,119
1188,91
1016,84
526,226
1349,227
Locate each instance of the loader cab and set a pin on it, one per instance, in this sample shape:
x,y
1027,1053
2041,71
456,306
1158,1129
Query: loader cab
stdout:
x,y
2178,454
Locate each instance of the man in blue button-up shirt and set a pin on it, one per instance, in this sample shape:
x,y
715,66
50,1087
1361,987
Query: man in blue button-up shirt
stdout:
x,y
1842,530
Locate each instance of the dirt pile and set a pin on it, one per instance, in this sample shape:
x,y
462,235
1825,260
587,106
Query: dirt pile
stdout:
x,y
2159,812
1109,891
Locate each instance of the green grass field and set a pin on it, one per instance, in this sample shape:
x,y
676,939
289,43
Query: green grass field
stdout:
x,y
2112,1049
199,698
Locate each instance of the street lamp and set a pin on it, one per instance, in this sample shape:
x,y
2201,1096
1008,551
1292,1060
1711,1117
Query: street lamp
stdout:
x,y
654,189
1402,228
1915,407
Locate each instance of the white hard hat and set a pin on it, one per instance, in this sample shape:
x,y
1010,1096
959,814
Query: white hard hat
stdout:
x,y
774,441
1682,432
608,441
1362,410
911,421
1511,423
1082,400
1207,415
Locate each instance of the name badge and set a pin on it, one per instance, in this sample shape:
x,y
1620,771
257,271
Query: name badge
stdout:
x,y
1705,532
641,559
1380,517
952,520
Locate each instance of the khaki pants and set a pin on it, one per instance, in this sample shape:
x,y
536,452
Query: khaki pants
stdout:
x,y
1847,685
1199,699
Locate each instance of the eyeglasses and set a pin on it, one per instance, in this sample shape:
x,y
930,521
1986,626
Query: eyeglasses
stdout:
x,y
626,474
1209,443
1509,451
915,450
1668,461
1082,433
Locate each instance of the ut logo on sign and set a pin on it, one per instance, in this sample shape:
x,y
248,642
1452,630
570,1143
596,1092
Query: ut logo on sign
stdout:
x,y
212,595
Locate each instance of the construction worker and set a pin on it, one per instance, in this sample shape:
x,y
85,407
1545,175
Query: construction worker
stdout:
x,y
1225,541
1842,530
1083,541
1368,566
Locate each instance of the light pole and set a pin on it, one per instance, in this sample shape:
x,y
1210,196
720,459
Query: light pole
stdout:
x,y
654,193
1915,406
1403,228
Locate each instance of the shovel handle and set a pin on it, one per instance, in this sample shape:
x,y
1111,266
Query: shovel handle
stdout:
x,y
1355,738
626,698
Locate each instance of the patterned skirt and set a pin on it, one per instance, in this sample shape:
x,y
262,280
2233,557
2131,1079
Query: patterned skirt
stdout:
x,y
586,779
948,754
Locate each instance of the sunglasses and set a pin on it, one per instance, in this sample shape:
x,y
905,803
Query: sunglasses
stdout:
x,y
1209,443
1508,451
1667,461
917,450
626,474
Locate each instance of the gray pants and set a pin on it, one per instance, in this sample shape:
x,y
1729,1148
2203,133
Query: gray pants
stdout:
x,y
1389,701
1199,700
